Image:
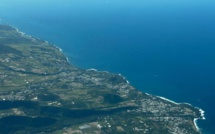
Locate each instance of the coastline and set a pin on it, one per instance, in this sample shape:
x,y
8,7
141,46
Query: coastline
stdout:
x,y
24,34
124,79
93,69
202,112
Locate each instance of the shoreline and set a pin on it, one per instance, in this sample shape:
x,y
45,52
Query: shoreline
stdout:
x,y
93,69
24,34
195,123
124,78
202,112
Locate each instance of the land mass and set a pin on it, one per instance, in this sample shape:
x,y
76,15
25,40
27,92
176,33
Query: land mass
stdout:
x,y
41,92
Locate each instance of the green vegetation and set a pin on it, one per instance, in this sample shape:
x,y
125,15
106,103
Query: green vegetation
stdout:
x,y
40,92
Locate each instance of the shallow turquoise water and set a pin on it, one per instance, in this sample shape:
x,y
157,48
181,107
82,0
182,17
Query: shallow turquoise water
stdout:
x,y
164,47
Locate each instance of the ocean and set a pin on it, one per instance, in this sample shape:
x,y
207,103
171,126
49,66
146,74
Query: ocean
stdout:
x,y
163,47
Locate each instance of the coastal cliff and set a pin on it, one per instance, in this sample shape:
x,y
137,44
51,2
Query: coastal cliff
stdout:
x,y
41,92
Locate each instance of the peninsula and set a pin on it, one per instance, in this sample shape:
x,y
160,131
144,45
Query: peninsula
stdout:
x,y
41,92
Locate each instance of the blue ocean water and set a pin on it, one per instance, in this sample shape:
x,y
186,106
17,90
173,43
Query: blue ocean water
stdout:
x,y
162,47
